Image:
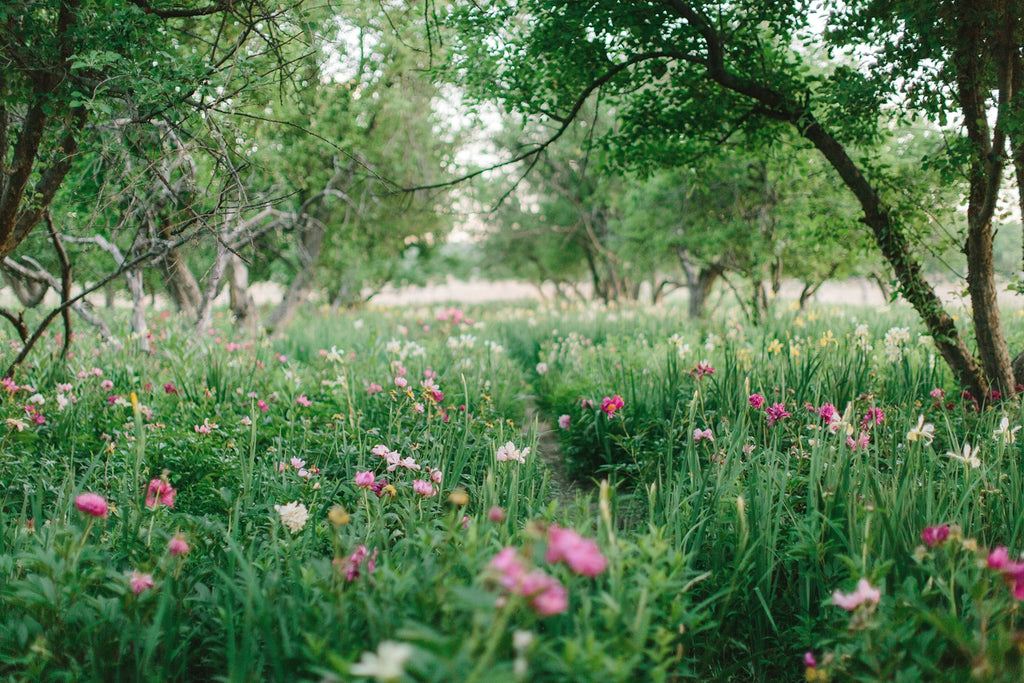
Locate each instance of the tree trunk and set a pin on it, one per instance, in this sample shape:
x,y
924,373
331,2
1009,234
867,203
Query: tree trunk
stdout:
x,y
182,285
30,293
243,307
310,243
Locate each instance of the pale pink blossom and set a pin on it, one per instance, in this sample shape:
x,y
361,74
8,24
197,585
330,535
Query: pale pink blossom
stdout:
x,y
851,601
564,421
178,546
581,554
364,479
139,581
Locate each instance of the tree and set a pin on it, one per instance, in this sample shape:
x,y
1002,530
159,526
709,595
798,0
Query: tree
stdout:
x,y
685,76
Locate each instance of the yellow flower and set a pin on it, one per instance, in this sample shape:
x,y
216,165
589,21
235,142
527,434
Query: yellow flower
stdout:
x,y
828,338
775,346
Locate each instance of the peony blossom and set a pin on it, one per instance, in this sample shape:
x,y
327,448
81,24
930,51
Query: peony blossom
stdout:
x,y
756,401
935,535
424,488
387,664
581,554
510,452
139,581
92,504
160,493
178,546
564,421
864,593
609,405
364,479
293,515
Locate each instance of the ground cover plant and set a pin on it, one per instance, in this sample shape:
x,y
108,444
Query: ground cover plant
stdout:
x,y
370,497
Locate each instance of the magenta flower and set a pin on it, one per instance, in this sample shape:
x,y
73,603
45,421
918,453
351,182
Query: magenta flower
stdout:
x,y
564,421
776,412
828,413
864,593
703,368
303,401
809,661
364,479
140,582
169,388
262,405
178,546
160,493
92,504
756,401
935,535
496,514
581,554
351,566
874,416
610,405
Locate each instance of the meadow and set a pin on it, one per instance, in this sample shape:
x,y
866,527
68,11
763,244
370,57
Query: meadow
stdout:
x,y
510,494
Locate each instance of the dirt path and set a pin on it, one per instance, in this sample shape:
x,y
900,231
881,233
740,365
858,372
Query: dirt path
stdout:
x,y
550,451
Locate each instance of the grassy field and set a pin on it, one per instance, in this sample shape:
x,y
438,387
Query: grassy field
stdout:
x,y
510,493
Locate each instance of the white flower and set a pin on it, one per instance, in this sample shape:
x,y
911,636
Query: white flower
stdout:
x,y
542,368
969,456
38,399
510,452
387,664
335,355
293,515
1008,435
924,432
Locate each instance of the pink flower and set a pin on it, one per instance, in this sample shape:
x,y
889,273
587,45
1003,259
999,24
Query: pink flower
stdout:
x,y
202,429
777,412
106,385
262,405
937,393
874,416
507,564
424,488
140,582
298,463
703,368
401,382
9,385
496,514
169,388
935,535
160,493
374,388
610,405
364,479
436,475
552,597
303,401
864,593
178,546
756,401
92,504
809,661
861,444
699,434
352,564
581,554
828,413
564,421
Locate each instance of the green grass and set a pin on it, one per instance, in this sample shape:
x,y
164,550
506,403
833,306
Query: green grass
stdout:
x,y
723,555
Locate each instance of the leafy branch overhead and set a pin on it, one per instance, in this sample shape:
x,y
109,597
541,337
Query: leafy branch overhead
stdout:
x,y
683,76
